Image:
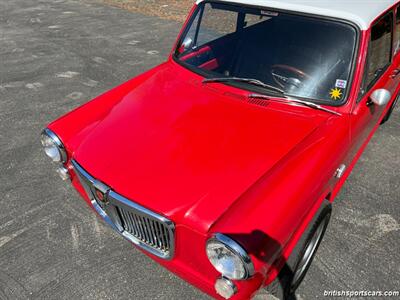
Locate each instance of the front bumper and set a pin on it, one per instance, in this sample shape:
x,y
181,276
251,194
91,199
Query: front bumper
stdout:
x,y
189,263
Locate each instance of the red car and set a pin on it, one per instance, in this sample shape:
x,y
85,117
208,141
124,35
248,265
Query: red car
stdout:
x,y
222,163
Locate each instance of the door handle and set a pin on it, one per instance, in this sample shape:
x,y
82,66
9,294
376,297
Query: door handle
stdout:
x,y
395,73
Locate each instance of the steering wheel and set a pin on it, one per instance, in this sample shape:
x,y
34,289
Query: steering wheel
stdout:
x,y
285,75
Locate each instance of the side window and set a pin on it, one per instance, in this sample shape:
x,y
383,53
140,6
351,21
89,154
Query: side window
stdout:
x,y
397,32
215,24
380,49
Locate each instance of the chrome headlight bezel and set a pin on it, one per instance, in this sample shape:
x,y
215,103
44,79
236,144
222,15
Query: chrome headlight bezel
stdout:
x,y
237,250
55,140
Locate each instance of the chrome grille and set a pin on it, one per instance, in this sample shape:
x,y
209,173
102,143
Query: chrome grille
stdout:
x,y
146,229
149,231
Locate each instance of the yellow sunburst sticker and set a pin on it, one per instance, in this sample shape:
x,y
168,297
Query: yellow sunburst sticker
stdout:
x,y
336,93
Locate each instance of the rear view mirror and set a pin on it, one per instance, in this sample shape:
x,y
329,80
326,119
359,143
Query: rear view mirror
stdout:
x,y
381,97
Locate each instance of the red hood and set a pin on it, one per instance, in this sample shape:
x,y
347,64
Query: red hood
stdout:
x,y
188,151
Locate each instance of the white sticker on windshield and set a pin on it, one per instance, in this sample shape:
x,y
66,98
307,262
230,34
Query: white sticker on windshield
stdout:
x,y
341,83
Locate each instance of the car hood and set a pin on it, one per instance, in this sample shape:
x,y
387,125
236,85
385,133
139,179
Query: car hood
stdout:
x,y
187,150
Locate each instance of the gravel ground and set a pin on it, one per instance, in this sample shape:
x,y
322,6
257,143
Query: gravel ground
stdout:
x,y
166,9
58,54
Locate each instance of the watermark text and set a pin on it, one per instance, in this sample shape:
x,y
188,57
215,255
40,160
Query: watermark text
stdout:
x,y
363,293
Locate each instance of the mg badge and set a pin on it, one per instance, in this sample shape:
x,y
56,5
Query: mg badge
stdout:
x,y
100,196
100,193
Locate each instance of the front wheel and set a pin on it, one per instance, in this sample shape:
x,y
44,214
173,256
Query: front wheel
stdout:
x,y
291,276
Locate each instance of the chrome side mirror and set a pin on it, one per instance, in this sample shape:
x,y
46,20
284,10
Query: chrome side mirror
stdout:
x,y
187,43
381,97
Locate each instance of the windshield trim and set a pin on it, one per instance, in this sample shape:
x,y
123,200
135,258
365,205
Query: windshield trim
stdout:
x,y
247,87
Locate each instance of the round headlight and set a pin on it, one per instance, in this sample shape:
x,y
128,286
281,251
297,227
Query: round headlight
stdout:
x,y
229,258
53,146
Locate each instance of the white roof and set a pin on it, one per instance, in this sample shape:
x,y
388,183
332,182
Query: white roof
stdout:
x,y
360,12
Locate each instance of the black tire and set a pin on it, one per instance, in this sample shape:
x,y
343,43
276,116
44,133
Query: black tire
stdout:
x,y
294,271
389,113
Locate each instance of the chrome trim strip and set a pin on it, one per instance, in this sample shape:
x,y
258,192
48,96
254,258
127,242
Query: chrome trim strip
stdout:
x,y
59,143
85,178
110,214
236,248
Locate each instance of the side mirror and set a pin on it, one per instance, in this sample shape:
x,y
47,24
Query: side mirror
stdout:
x,y
381,97
187,43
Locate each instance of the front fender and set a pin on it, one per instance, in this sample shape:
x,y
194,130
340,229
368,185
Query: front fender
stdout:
x,y
270,217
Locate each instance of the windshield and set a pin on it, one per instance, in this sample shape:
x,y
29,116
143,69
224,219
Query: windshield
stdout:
x,y
305,57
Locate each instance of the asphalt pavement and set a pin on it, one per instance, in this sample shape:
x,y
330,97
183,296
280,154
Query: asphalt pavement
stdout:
x,y
58,54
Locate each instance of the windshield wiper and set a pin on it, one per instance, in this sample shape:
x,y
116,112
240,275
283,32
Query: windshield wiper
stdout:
x,y
286,98
245,80
298,101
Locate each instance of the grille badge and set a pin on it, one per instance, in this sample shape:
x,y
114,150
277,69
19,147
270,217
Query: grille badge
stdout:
x,y
100,192
100,196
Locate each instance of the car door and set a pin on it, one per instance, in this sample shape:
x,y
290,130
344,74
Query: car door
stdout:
x,y
380,72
